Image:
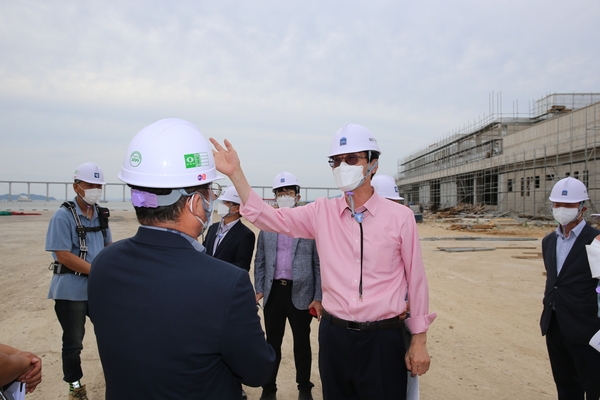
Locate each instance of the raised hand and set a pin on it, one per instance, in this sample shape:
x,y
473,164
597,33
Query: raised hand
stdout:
x,y
226,158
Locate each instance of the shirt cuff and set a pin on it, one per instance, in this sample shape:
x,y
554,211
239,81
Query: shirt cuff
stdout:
x,y
420,324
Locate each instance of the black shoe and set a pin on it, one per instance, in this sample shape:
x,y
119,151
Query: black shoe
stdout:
x,y
244,395
268,395
305,394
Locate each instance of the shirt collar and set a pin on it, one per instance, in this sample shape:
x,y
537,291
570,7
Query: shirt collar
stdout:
x,y
575,231
370,206
80,210
194,242
226,227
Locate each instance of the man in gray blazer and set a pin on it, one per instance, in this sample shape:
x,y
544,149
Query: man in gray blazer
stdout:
x,y
287,277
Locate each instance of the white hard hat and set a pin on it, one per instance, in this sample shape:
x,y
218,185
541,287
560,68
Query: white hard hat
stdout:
x,y
90,173
352,138
385,186
230,194
569,190
170,153
283,179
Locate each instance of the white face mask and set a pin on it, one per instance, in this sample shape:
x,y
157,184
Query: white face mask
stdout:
x,y
564,215
222,209
92,196
286,202
348,177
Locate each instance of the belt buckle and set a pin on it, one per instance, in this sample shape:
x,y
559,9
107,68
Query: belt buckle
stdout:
x,y
283,282
353,325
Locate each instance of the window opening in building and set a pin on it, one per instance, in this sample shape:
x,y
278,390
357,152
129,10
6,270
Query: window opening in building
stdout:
x,y
522,187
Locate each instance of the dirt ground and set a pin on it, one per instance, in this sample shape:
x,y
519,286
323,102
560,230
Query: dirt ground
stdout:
x,y
485,342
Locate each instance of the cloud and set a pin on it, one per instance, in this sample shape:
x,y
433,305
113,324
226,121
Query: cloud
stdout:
x,y
277,78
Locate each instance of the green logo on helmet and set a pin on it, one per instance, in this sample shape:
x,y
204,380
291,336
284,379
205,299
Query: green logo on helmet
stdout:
x,y
135,159
196,160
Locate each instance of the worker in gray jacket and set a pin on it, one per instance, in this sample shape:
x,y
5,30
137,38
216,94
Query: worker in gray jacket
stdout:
x,y
287,278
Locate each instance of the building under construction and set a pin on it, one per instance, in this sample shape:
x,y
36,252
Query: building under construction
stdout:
x,y
509,163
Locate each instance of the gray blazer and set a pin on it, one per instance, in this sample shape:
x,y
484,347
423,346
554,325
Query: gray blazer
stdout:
x,y
306,269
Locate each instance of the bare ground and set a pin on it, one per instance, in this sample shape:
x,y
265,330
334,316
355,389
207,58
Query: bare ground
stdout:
x,y
485,343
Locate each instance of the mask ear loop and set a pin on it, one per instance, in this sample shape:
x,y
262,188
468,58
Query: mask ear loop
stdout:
x,y
204,224
580,211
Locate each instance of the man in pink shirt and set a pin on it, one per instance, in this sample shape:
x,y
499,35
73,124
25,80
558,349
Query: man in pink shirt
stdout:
x,y
370,263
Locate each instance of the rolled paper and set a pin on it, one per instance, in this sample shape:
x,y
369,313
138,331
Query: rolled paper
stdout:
x,y
593,253
595,341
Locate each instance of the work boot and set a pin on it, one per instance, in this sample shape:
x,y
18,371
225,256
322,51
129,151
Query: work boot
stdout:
x,y
268,395
305,394
78,394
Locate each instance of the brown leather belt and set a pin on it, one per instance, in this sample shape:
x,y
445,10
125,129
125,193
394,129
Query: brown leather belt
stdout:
x,y
390,323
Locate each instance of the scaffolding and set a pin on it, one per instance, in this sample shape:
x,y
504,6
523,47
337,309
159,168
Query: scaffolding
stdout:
x,y
509,163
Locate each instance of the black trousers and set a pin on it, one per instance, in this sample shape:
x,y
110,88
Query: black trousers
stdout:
x,y
575,367
278,308
361,365
71,315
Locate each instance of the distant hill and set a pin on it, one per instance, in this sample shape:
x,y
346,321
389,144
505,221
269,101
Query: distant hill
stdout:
x,y
14,197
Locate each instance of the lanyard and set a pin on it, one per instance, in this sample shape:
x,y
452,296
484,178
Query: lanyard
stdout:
x,y
361,262
359,217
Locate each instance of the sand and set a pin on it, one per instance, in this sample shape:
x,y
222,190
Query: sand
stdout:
x,y
485,342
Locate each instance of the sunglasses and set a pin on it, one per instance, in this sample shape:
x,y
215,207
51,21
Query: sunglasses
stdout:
x,y
350,159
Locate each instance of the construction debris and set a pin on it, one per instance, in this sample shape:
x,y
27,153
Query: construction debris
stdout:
x,y
463,249
462,208
515,248
528,257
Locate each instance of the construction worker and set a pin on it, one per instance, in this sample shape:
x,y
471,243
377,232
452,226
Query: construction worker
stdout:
x,y
570,316
370,261
77,232
229,239
287,278
172,322
385,186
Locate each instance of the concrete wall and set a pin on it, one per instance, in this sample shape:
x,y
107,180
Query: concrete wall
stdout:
x,y
533,160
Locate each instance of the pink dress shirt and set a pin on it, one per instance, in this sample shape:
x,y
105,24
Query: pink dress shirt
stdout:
x,y
392,262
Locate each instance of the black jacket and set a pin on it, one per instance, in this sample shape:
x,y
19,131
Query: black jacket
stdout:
x,y
174,323
572,294
236,247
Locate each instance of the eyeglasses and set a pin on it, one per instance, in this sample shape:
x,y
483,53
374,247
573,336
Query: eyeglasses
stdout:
x,y
282,192
216,189
211,189
350,159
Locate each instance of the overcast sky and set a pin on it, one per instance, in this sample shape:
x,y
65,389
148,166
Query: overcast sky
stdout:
x,y
78,79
